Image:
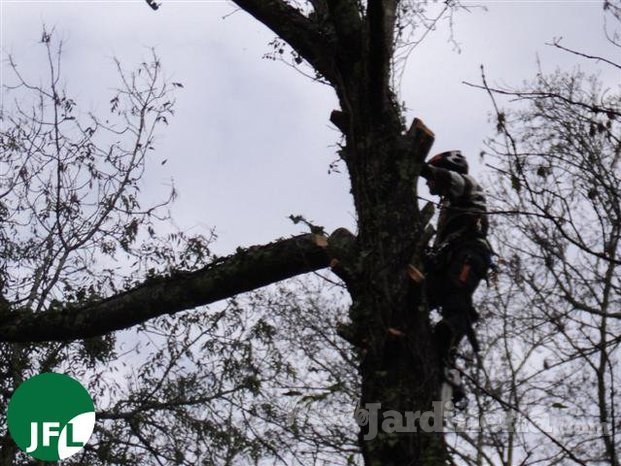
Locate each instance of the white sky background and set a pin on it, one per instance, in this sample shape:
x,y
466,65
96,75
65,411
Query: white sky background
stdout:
x,y
251,142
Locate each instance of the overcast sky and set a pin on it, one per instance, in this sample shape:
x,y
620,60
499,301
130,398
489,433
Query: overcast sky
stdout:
x,y
251,142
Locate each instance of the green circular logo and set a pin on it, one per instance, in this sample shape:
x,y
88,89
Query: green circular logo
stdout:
x,y
51,416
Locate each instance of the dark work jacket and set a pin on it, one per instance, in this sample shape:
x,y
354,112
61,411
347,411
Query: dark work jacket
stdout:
x,y
463,208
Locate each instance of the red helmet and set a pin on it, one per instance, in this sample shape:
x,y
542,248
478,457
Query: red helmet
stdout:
x,y
450,160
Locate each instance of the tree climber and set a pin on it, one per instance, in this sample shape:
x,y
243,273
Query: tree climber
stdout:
x,y
460,256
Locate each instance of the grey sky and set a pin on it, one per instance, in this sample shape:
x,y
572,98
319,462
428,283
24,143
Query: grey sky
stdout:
x,y
251,142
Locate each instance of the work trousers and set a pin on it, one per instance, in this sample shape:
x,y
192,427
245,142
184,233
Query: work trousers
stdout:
x,y
454,274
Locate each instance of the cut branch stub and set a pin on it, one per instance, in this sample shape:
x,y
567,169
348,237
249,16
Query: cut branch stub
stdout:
x,y
421,138
342,246
415,274
340,120
343,250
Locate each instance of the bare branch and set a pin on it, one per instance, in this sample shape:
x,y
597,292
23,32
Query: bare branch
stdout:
x,y
558,45
304,35
546,95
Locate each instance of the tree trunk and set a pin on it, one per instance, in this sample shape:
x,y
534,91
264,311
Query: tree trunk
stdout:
x,y
398,366
390,319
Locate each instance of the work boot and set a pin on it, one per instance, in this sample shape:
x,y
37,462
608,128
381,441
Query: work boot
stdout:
x,y
444,340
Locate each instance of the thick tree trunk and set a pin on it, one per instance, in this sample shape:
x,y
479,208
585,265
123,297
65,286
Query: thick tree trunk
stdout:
x,y
398,366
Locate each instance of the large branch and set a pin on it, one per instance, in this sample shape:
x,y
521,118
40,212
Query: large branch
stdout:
x,y
304,35
243,271
381,16
345,17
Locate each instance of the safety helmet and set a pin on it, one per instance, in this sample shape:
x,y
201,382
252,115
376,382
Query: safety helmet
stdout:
x,y
450,160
